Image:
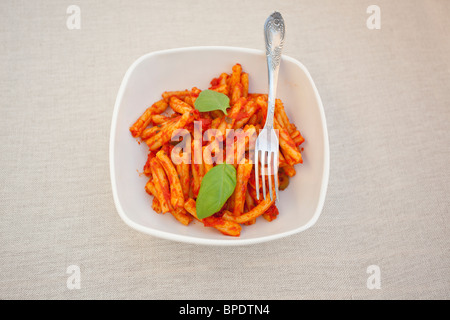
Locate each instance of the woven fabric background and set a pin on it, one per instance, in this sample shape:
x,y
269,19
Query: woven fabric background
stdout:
x,y
387,103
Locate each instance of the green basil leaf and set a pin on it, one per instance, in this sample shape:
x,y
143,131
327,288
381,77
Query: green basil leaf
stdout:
x,y
209,100
217,186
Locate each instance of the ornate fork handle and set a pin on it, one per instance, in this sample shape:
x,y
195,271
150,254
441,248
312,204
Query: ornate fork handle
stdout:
x,y
274,39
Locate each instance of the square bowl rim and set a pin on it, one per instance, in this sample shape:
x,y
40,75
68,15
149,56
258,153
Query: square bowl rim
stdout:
x,y
203,241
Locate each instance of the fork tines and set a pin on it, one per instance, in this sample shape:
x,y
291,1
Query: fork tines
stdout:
x,y
269,169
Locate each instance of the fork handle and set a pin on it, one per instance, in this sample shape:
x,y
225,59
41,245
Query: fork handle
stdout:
x,y
274,39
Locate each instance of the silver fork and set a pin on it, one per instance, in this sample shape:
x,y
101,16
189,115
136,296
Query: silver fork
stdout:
x,y
267,141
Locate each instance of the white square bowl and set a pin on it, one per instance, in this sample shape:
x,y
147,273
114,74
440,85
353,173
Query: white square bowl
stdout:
x,y
300,204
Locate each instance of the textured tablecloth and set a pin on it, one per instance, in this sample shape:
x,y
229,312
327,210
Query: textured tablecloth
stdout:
x,y
386,95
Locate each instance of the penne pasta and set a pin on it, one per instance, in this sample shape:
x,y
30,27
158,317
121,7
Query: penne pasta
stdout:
x,y
185,144
235,77
149,132
184,176
155,205
161,185
198,168
243,174
290,150
181,215
180,106
163,136
244,82
252,214
248,111
179,94
176,192
144,120
228,228
159,119
237,93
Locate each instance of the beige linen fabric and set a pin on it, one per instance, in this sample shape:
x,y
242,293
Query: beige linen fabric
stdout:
x,y
387,103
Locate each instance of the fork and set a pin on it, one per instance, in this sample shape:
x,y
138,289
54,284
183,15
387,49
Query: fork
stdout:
x,y
267,141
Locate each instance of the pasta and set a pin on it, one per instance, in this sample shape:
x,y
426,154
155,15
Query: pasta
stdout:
x,y
210,138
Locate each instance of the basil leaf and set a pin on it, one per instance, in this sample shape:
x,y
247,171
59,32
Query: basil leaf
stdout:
x,y
209,100
217,186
